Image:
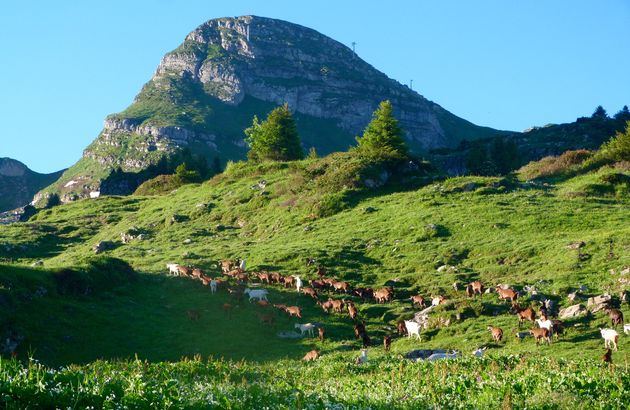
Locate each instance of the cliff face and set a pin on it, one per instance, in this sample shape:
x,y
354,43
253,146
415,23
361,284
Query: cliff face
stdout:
x,y
18,184
205,92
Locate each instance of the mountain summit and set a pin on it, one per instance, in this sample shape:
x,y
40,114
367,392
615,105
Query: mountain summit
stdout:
x,y
205,92
18,184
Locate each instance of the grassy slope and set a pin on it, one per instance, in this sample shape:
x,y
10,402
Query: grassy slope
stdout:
x,y
499,235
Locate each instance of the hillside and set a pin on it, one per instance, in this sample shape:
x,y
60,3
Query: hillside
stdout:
x,y
18,184
366,223
205,93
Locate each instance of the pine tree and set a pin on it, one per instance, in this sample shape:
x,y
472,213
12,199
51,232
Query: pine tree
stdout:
x,y
383,136
275,139
600,113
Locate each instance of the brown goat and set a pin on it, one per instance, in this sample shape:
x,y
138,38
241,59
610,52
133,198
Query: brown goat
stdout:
x,y
469,291
294,311
265,318
289,281
607,357
616,317
387,343
383,295
366,340
264,277
541,333
311,356
326,306
524,314
417,300
352,311
364,293
497,333
337,305
263,303
341,287
321,271
318,284
183,270
197,273
322,333
402,329
477,287
507,294
280,306
310,292
275,277
359,330
227,265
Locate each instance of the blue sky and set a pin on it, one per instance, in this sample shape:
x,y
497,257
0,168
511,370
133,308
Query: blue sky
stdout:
x,y
65,65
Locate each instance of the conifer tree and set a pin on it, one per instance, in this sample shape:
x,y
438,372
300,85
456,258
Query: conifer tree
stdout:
x,y
275,139
383,136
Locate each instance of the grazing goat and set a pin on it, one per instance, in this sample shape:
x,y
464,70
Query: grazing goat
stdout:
x,y
626,328
341,287
289,281
310,292
173,268
263,303
197,273
401,328
497,333
264,277
322,333
387,343
337,305
363,358
417,300
607,357
610,337
359,330
479,352
294,311
275,277
352,311
259,294
311,356
364,293
541,334
616,317
183,270
523,314
438,300
506,294
306,327
213,285
298,283
280,306
265,318
241,264
326,306
383,295
477,288
546,324
318,284
412,328
440,356
226,265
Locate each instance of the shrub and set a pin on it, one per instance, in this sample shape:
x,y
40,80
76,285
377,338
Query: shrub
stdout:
x,y
555,166
161,184
330,204
95,275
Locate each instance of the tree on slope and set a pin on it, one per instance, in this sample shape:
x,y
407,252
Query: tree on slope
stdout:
x,y
383,136
275,139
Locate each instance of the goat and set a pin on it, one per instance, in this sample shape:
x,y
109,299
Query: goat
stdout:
x,y
507,294
479,352
298,283
275,277
226,265
241,264
197,273
259,294
183,270
546,324
541,334
616,317
401,328
310,292
359,330
523,314
476,288
337,305
289,281
417,300
172,268
294,311
610,337
280,306
607,357
321,271
326,306
263,303
318,284
413,328
626,328
341,286
311,356
322,333
362,358
264,277
439,356
438,300
497,333
366,340
193,314
383,295
227,309
352,311
387,343
306,327
364,293
213,285
265,318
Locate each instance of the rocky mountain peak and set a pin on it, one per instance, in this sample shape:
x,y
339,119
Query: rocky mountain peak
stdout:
x,y
12,168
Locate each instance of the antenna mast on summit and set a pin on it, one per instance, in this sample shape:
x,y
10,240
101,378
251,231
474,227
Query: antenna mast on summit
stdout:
x,y
353,52
411,84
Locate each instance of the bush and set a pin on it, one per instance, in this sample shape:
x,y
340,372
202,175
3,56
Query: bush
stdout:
x,y
330,204
94,276
162,184
555,166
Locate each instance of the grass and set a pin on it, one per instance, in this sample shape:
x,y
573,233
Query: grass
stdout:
x,y
496,230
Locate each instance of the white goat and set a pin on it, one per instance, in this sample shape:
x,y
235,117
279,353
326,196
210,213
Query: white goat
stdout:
x,y
439,356
363,358
626,328
306,327
172,268
259,294
546,324
413,328
213,285
479,352
610,337
298,283
241,264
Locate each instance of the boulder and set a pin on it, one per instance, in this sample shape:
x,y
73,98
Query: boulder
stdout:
x,y
576,245
573,311
599,300
103,246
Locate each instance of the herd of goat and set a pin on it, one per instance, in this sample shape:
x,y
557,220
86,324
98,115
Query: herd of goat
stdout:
x,y
545,330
